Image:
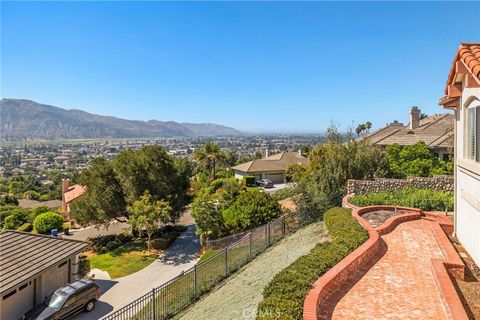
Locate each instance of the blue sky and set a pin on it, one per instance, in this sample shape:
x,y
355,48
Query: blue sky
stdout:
x,y
262,66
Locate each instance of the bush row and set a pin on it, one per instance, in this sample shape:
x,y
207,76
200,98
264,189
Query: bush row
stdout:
x,y
161,239
424,199
283,297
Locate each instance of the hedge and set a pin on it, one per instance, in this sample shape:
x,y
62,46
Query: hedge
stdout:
x,y
249,181
167,234
424,199
283,297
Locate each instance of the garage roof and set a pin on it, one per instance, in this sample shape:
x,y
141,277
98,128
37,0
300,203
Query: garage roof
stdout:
x,y
25,255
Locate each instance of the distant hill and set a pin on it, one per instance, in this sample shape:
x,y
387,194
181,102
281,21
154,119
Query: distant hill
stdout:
x,y
24,119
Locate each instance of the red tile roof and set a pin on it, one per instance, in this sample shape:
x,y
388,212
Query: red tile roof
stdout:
x,y
469,54
74,192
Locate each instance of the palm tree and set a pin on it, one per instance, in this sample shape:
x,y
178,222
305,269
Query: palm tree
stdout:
x,y
368,125
210,155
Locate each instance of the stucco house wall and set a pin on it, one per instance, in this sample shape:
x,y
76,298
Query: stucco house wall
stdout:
x,y
467,185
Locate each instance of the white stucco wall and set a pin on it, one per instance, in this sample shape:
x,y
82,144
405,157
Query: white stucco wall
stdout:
x,y
467,186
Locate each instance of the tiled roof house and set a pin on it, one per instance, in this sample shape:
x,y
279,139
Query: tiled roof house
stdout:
x,y
436,131
272,167
70,194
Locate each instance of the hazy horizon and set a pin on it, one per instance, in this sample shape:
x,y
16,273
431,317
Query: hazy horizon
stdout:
x,y
256,66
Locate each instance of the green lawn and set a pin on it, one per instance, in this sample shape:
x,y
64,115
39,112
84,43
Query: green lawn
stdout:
x,y
123,261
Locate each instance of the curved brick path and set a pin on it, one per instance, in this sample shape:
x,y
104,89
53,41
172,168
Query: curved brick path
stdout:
x,y
400,284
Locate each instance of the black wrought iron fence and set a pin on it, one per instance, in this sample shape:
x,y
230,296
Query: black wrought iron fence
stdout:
x,y
173,296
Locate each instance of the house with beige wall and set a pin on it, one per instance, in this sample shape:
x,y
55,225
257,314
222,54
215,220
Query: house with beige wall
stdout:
x,y
462,95
32,267
271,167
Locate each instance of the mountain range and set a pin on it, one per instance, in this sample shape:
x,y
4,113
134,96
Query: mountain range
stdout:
x,y
25,119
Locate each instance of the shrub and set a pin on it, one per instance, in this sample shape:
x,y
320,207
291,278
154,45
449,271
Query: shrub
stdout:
x,y
109,242
249,181
251,209
424,199
16,219
161,243
47,221
26,227
102,250
83,266
283,297
37,211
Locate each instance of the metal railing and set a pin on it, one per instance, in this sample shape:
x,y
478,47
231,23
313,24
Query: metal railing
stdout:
x,y
173,296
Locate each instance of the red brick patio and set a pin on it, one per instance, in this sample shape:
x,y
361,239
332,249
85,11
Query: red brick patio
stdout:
x,y
405,277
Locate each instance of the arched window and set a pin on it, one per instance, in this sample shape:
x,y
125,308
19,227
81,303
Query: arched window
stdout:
x,y
472,150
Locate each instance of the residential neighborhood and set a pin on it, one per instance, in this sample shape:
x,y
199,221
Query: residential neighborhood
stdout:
x,y
240,160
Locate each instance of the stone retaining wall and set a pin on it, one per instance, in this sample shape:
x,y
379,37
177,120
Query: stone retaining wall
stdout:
x,y
440,183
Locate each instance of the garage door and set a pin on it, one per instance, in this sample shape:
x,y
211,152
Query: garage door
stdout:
x,y
54,278
15,304
275,177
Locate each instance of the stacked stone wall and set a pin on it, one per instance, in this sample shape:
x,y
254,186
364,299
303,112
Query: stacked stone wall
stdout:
x,y
440,183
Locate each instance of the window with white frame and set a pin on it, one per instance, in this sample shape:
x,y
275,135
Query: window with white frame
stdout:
x,y
472,150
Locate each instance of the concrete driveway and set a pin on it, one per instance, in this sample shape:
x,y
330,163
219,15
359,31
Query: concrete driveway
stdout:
x,y
180,256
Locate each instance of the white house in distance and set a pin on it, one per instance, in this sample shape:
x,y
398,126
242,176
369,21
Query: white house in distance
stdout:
x,y
462,94
271,167
32,267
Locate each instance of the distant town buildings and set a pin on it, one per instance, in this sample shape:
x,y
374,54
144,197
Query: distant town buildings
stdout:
x,y
436,131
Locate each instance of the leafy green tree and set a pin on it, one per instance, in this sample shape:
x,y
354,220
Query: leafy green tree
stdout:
x,y
295,172
305,150
415,160
152,169
209,156
331,165
16,219
47,221
149,214
250,209
32,195
207,212
104,199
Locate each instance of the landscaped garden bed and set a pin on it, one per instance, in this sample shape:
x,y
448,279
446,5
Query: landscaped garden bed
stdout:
x,y
378,217
424,199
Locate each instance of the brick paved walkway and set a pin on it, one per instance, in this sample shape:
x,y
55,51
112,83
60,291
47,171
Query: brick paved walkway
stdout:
x,y
400,284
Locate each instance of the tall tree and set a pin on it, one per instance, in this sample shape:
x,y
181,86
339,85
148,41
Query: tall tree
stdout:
x,y
149,214
104,199
209,156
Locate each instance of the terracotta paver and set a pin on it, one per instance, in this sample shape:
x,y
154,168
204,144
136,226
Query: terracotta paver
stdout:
x,y
400,283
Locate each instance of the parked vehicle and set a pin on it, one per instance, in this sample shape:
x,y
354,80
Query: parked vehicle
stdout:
x,y
266,183
67,301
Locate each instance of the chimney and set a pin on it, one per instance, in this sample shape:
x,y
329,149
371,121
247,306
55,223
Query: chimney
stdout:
x,y
266,153
65,186
414,118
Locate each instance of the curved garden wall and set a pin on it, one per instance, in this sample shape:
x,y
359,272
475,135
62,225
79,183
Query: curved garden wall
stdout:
x,y
325,289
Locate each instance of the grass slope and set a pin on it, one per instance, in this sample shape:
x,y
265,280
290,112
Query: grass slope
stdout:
x,y
242,292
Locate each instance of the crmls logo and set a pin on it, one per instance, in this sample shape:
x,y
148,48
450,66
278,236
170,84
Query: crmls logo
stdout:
x,y
252,313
